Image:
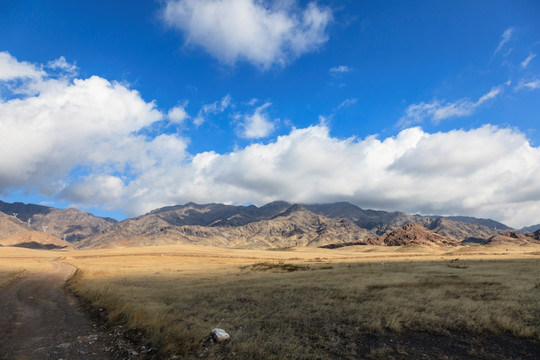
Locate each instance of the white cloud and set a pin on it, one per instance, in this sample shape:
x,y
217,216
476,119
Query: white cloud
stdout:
x,y
341,69
214,108
506,37
249,30
62,64
487,172
257,125
11,69
178,114
73,130
347,103
77,140
528,84
526,62
440,110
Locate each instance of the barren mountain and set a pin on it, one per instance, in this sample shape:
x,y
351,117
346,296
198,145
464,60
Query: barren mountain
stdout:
x,y
530,229
23,211
295,226
36,240
74,224
457,230
413,234
10,225
514,238
494,225
218,214
277,224
378,222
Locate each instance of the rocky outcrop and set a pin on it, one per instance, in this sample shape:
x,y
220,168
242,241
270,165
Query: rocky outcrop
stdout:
x,y
413,234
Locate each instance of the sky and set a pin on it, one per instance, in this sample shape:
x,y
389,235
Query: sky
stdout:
x,y
121,107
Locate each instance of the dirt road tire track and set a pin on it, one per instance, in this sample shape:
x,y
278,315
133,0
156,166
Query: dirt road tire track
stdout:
x,y
39,320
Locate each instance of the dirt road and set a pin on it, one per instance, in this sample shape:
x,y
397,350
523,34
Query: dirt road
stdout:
x,y
38,320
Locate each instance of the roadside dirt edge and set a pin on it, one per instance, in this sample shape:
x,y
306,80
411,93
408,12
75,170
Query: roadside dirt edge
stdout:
x,y
126,343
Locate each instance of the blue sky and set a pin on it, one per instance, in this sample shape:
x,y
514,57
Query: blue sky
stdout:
x,y
420,106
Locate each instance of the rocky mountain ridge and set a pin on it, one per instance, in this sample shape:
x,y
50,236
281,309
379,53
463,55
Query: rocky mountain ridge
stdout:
x,y
275,225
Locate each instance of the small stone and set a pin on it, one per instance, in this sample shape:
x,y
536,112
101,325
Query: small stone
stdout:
x,y
64,345
220,335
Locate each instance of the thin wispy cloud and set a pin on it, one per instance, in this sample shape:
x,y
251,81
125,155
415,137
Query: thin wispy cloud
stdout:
x,y
340,69
506,37
347,103
214,108
526,62
62,64
441,110
531,84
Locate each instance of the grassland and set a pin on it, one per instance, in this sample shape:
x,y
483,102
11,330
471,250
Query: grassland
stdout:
x,y
16,262
314,303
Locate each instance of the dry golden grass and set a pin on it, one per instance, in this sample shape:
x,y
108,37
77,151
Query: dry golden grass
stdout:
x,y
310,303
17,262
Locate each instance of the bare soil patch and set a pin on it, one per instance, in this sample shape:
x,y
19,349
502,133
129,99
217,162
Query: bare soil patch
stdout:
x,y
38,320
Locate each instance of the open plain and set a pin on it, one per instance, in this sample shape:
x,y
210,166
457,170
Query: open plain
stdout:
x,y
355,302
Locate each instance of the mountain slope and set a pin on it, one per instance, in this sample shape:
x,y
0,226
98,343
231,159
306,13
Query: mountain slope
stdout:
x,y
374,220
457,230
218,214
36,240
529,229
514,238
277,224
10,225
491,224
295,226
23,211
74,224
413,234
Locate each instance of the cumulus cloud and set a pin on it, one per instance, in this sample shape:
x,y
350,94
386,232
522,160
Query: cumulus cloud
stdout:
x,y
78,140
71,131
488,172
440,110
505,37
178,114
11,69
249,30
256,125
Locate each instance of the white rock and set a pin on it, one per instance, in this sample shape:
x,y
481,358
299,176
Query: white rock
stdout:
x,y
220,335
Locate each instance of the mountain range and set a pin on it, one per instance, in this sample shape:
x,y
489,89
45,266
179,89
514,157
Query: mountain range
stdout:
x,y
275,225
